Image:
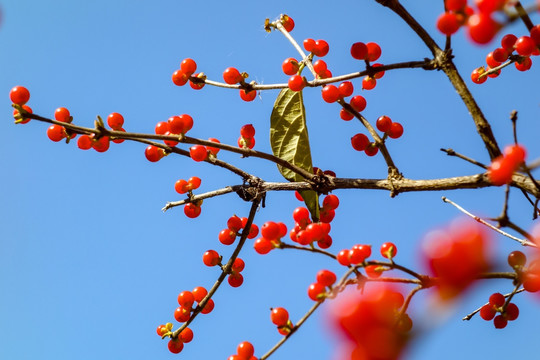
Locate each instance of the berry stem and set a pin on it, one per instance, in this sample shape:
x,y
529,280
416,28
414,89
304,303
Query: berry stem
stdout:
x,y
469,316
277,24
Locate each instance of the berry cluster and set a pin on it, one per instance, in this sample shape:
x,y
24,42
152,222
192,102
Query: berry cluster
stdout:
x,y
524,46
497,304
318,290
244,351
503,167
280,317
192,210
529,276
175,345
368,52
272,233
234,225
481,25
247,137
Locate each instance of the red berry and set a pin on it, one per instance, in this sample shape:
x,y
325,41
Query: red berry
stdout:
x,y
374,51
358,103
487,312
297,82
379,74
154,153
279,316
508,41
330,93
180,124
359,51
359,142
181,186
232,76
62,114
517,259
475,76
482,28
238,265
175,345
270,230
102,144
19,95
211,258
491,61
248,95
290,66
448,23
162,128
301,216
194,182
345,115
227,237
345,89
372,149
263,246
499,55
199,293
288,24
247,131
186,299
331,202
384,123
525,46
320,67
500,322
396,130
179,78
186,335
326,278
234,223
115,121
359,253
388,250
84,142
321,48
245,349
188,66
198,152
343,257
208,307
497,299
56,133
373,271
191,210
489,6
512,312
455,5
309,44
316,292
235,279
369,83
523,64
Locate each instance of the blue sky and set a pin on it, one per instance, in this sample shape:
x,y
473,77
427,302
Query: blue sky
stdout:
x,y
89,265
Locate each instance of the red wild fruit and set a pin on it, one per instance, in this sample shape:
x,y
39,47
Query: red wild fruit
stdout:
x,y
369,83
475,75
115,121
213,150
374,51
247,131
154,153
372,149
358,103
384,123
321,48
19,95
508,41
232,76
388,250
198,152
279,316
296,82
316,292
326,278
56,133
396,130
320,67
211,258
359,142
18,118
359,51
290,66
448,23
199,293
179,78
345,115
62,114
525,46
188,66
245,350
482,28
330,93
345,89
455,5
192,210
523,64
84,142
180,124
248,95
186,335
287,22
175,345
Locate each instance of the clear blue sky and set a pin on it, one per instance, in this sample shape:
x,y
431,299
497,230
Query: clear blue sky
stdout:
x,y
89,265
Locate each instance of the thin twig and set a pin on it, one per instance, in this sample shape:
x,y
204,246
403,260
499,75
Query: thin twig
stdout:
x,y
521,241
